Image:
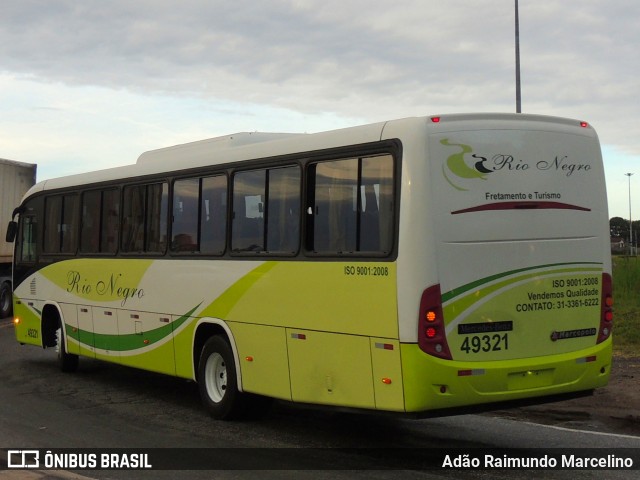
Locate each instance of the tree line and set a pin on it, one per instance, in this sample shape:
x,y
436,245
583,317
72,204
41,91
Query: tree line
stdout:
x,y
619,227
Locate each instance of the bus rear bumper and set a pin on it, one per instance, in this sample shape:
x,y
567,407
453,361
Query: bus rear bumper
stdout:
x,y
435,384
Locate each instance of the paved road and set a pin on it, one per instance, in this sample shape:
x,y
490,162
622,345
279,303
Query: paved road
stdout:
x,y
105,406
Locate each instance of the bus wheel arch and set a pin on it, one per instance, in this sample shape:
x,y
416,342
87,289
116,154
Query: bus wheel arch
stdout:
x,y
218,374
217,379
52,327
206,329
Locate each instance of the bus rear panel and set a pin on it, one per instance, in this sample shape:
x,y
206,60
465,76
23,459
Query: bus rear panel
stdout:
x,y
521,306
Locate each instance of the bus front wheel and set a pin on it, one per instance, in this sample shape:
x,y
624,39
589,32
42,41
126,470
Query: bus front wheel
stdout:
x,y
217,380
67,362
6,300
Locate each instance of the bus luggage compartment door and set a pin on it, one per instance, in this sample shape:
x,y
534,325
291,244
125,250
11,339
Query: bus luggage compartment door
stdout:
x,y
330,368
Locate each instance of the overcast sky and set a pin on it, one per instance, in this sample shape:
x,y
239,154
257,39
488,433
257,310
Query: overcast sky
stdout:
x,y
92,84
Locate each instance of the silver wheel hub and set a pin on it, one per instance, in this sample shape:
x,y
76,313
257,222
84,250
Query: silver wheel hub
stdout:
x,y
215,377
58,340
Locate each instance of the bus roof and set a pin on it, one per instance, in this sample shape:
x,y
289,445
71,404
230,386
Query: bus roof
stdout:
x,y
210,145
255,145
219,151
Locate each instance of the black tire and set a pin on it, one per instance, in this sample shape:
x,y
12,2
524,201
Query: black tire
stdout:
x,y
218,382
6,300
67,362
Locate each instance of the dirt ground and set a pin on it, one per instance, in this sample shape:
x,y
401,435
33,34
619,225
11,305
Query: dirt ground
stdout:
x,y
614,408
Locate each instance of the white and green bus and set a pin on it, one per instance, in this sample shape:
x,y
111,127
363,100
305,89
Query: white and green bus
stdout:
x,y
423,265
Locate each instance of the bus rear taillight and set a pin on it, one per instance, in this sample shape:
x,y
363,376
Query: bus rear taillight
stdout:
x,y
431,334
606,315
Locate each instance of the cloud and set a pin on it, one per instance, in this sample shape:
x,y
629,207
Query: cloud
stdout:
x,y
272,52
369,58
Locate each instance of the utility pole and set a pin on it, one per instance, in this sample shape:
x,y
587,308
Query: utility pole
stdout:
x,y
630,224
518,93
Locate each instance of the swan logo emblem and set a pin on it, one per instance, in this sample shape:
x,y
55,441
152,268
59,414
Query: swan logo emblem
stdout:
x,y
457,171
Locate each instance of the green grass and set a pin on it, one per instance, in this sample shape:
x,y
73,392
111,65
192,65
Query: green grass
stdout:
x,y
626,294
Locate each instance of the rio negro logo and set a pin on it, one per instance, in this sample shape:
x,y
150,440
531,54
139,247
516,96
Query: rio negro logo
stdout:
x,y
464,166
109,287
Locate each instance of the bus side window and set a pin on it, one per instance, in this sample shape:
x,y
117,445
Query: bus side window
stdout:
x,y
61,224
110,221
52,217
90,224
184,229
248,211
144,222
266,211
27,234
69,224
156,218
377,205
213,215
283,222
133,219
351,206
100,221
334,206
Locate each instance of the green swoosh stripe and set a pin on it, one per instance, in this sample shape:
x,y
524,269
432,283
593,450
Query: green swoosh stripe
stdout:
x,y
456,292
132,341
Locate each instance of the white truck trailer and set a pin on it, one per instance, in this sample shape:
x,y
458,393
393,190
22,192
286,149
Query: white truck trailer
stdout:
x,y
15,179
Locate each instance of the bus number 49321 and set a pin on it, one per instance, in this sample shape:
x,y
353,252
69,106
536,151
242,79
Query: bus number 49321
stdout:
x,y
485,343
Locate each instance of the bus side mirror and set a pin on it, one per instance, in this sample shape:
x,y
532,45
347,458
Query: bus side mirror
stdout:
x,y
12,229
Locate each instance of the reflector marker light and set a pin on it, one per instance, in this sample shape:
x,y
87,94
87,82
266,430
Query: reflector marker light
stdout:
x,y
16,321
435,119
386,381
589,359
470,373
384,346
299,336
606,314
584,124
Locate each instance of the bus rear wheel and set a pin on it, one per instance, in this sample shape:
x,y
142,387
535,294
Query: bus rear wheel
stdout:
x,y
218,385
217,380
